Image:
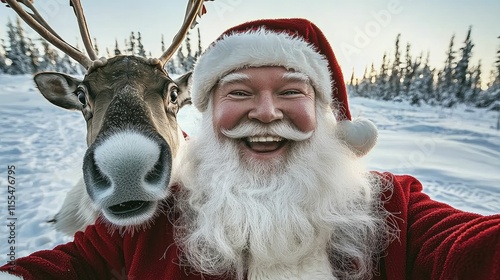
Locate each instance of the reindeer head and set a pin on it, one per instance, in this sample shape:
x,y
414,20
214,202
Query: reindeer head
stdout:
x,y
130,105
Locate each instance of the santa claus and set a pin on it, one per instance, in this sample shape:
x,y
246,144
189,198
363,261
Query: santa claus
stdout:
x,y
273,188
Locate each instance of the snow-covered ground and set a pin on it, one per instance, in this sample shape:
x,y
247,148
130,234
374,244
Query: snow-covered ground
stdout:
x,y
455,153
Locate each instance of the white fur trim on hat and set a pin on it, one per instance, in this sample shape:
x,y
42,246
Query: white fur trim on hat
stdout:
x,y
359,134
256,48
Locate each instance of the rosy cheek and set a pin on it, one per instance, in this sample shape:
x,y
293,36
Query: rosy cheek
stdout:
x,y
227,116
303,116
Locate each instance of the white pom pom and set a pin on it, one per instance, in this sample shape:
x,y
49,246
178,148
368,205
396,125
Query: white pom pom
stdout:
x,y
359,134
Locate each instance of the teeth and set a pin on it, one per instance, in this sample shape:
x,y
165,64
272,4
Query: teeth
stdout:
x,y
264,139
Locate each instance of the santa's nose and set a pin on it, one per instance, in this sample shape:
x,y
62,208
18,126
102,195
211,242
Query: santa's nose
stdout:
x,y
265,109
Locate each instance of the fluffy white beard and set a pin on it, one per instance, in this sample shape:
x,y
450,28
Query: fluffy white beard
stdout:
x,y
237,214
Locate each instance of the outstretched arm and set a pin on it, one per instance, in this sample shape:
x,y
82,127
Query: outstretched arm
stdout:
x,y
446,243
92,255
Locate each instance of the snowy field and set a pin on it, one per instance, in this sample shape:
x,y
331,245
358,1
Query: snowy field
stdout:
x,y
455,153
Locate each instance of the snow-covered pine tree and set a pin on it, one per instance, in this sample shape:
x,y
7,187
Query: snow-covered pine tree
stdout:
x,y
495,72
428,85
3,58
408,71
96,47
126,46
140,47
49,57
461,74
351,85
170,66
363,88
490,98
446,82
181,61
395,75
190,57
416,93
17,51
34,56
131,45
382,84
117,48
474,80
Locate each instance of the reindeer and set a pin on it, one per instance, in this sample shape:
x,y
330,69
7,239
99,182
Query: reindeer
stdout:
x,y
130,105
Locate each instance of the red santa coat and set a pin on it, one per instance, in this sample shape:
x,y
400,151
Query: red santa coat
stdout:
x,y
436,242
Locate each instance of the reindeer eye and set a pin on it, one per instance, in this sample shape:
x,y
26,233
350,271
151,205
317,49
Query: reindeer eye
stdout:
x,y
173,95
80,94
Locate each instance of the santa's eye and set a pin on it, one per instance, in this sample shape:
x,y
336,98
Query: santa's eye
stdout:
x,y
238,93
290,92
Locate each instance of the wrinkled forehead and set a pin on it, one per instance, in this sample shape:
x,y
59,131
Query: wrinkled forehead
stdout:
x,y
241,75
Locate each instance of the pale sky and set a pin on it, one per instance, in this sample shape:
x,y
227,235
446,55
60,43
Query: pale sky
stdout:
x,y
359,31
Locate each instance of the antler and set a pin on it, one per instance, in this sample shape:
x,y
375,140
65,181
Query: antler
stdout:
x,y
35,21
38,24
84,31
194,8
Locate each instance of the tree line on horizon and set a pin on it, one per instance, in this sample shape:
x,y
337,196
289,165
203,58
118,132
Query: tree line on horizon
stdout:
x,y
399,78
412,79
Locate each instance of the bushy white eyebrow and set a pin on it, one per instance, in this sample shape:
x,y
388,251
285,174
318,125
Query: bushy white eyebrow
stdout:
x,y
233,78
241,77
296,76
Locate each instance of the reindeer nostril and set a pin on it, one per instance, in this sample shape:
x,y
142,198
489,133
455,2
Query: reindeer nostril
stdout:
x,y
100,181
155,175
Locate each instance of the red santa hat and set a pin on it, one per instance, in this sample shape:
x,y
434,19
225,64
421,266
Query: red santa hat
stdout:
x,y
295,44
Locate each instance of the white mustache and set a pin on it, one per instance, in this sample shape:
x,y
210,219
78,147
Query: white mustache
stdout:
x,y
282,129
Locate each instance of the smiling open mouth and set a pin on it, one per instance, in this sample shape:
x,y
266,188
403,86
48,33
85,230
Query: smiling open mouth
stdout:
x,y
264,144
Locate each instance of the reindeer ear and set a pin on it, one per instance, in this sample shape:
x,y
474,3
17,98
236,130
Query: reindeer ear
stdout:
x,y
59,89
184,85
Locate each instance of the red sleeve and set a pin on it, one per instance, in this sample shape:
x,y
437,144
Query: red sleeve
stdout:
x,y
94,254
446,243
